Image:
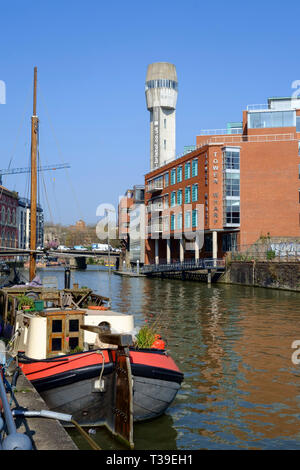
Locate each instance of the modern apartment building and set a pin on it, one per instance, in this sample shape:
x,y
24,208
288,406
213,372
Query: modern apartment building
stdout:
x,y
132,224
23,221
239,184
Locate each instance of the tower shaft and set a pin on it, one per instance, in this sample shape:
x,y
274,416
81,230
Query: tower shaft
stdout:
x,y
161,98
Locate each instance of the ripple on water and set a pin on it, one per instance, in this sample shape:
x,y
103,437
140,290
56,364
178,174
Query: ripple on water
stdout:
x,y
233,344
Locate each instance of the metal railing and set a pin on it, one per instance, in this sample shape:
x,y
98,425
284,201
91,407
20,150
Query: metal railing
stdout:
x,y
188,265
257,107
155,185
154,228
13,440
236,139
155,207
221,131
277,252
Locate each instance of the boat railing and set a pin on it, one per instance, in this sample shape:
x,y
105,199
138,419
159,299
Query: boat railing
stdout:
x,y
13,440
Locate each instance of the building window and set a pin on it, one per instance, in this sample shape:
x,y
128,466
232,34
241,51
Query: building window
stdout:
x,y
172,221
173,176
162,83
229,242
231,166
232,159
187,219
179,197
165,144
173,198
195,218
208,243
187,196
232,183
166,180
232,212
260,120
179,174
179,221
187,170
195,192
165,123
195,168
297,123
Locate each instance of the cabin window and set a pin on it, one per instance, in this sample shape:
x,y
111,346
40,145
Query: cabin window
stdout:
x,y
64,332
56,344
73,342
57,326
74,325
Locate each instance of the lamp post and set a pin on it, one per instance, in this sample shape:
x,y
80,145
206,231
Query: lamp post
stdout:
x,y
106,212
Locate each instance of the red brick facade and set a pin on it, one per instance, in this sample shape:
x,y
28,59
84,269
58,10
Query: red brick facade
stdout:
x,y
269,185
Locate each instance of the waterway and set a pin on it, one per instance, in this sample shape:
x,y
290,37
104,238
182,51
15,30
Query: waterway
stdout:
x,y
241,389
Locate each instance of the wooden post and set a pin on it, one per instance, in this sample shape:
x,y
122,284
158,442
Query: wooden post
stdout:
x,y
33,195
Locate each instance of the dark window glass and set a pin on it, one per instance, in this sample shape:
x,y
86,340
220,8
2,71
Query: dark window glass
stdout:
x,y
56,344
74,325
57,326
73,343
208,243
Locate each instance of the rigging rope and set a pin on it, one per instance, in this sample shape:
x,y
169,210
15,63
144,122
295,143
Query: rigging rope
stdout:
x,y
60,155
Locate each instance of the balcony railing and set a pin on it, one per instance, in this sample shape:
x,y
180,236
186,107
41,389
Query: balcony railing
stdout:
x,y
257,107
237,139
221,131
155,225
155,185
155,228
155,207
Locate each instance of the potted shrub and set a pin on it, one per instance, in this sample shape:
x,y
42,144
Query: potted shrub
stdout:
x,y
145,337
25,303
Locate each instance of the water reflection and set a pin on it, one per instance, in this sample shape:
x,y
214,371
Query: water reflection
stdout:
x,y
233,344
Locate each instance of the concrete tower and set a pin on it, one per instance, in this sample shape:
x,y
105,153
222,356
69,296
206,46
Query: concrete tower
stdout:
x,y
161,97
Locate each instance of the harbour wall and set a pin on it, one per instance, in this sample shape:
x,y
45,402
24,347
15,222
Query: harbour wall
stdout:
x,y
271,274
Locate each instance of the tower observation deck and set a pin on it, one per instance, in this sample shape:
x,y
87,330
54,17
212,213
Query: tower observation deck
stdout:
x,y
161,97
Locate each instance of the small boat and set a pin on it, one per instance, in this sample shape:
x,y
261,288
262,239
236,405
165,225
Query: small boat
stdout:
x,y
69,383
85,383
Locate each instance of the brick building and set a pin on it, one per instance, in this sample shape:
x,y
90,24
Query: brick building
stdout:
x,y
239,184
8,218
131,225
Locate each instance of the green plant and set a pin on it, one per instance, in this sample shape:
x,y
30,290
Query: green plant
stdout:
x,y
270,254
145,337
24,301
77,349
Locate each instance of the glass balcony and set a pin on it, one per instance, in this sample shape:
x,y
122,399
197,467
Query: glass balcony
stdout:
x,y
155,185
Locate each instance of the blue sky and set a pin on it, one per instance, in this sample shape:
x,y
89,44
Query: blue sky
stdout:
x,y
92,58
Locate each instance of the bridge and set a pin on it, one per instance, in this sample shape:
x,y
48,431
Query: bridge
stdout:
x,y
207,266
56,253
79,256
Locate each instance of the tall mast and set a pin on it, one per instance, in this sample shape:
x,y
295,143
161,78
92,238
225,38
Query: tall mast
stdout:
x,y
33,195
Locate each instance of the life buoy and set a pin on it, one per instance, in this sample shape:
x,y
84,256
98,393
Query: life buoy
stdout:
x,y
158,343
97,307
